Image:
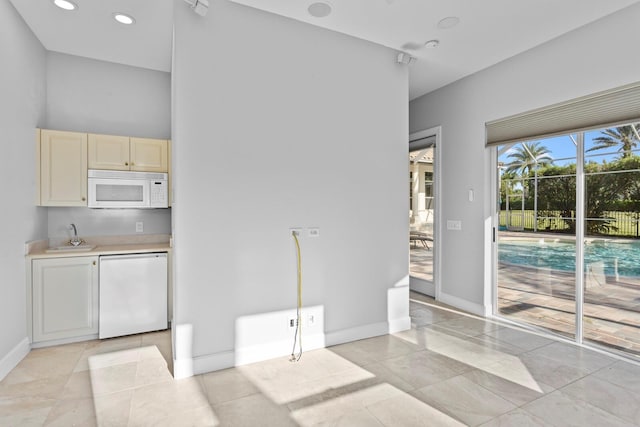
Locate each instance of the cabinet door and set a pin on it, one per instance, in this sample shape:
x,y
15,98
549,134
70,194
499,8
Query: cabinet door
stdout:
x,y
149,155
65,297
108,152
63,168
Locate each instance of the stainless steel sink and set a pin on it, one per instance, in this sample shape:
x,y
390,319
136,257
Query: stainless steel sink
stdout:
x,y
70,248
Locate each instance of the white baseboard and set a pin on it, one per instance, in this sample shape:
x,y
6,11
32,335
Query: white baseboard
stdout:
x,y
357,333
63,341
260,352
11,359
397,325
183,368
463,304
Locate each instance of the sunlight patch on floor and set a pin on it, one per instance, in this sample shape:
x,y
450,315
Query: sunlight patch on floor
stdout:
x,y
317,372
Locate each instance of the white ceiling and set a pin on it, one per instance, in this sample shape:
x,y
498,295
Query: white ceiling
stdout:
x,y
489,31
91,31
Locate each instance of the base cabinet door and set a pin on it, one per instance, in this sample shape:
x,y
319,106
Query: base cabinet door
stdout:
x,y
65,297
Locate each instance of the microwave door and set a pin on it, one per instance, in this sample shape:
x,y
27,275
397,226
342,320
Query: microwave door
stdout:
x,y
119,193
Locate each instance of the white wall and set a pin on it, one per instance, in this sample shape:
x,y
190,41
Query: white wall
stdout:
x,y
22,109
593,58
270,117
87,95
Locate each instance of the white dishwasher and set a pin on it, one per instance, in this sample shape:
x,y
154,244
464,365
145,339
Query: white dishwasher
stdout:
x,y
133,294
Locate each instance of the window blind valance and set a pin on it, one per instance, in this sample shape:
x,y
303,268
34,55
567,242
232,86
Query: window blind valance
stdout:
x,y
604,109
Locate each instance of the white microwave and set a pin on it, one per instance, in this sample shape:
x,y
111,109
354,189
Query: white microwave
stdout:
x,y
124,189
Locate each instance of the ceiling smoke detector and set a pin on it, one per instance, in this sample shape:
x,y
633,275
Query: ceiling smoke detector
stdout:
x,y
319,9
432,44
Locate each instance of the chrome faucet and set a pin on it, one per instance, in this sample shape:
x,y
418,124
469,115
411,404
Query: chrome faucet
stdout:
x,y
75,240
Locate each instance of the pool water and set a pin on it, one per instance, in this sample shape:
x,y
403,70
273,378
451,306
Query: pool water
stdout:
x,y
562,256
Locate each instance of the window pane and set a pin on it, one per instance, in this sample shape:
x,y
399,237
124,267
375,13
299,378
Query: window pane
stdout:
x,y
612,249
536,237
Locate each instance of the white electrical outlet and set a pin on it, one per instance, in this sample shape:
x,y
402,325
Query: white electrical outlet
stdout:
x,y
313,232
297,230
311,320
139,227
292,322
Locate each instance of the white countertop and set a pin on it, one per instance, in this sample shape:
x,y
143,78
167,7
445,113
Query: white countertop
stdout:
x,y
103,246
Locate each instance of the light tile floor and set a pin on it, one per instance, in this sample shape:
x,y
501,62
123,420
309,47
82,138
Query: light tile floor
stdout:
x,y
449,369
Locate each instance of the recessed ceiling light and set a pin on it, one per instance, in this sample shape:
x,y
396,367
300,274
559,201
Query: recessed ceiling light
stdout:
x,y
123,18
65,4
432,44
448,22
319,9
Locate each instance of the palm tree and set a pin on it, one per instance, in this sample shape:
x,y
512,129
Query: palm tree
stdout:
x,y
625,136
526,156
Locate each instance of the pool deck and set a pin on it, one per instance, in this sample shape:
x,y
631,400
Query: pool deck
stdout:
x,y
546,298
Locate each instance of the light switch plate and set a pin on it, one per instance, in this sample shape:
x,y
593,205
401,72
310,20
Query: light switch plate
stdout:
x,y
454,225
139,227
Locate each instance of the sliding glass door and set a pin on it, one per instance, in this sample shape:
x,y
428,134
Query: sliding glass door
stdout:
x,y
573,243
611,313
536,241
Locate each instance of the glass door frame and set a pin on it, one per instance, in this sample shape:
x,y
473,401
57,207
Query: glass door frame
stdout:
x,y
437,243
492,293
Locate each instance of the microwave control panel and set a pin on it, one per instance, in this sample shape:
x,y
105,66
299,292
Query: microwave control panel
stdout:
x,y
158,193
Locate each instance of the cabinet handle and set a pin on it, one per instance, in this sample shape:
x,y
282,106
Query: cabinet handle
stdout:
x,y
126,163
131,163
84,198
94,263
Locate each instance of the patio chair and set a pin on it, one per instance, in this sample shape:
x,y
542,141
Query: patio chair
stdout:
x,y
415,237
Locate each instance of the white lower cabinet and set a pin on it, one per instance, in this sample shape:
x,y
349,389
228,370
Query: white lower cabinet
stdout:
x,y
65,297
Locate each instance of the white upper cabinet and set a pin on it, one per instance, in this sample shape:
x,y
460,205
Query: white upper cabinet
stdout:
x,y
108,152
63,158
149,155
124,153
63,168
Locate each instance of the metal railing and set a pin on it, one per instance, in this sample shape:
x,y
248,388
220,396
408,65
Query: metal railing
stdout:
x,y
620,224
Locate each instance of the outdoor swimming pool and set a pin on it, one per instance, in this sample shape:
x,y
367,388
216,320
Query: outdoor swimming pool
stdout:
x,y
561,255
